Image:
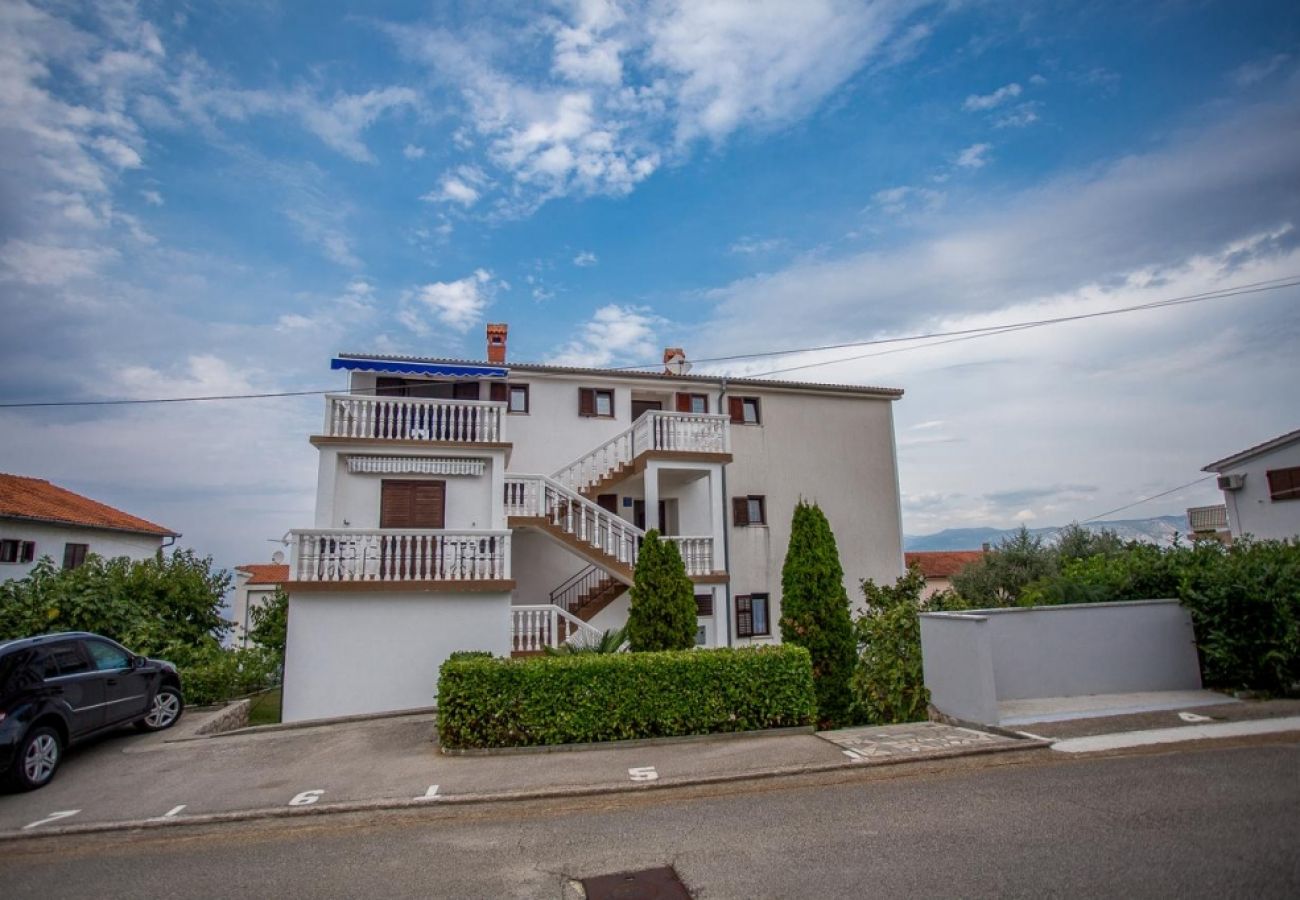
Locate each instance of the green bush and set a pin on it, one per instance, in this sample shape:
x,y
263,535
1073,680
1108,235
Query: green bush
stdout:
x,y
663,614
607,697
470,654
270,627
815,611
215,674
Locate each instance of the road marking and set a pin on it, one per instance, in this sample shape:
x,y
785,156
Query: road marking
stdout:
x,y
306,798
52,817
1123,740
430,794
1194,717
643,773
173,812
854,755
1032,736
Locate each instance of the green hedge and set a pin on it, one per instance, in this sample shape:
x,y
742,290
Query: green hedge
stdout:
x,y
608,697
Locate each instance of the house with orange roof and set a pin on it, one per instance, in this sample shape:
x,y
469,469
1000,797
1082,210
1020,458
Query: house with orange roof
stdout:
x,y
39,519
938,567
255,585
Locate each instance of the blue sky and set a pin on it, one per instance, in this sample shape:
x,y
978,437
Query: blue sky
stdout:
x,y
202,199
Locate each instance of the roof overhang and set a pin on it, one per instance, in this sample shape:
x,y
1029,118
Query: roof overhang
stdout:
x,y
427,369
1229,462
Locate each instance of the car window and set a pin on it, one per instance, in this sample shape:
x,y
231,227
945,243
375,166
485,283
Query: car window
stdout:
x,y
69,658
18,671
106,657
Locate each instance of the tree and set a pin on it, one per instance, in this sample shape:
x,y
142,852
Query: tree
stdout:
x,y
815,611
663,613
271,622
888,683
1001,575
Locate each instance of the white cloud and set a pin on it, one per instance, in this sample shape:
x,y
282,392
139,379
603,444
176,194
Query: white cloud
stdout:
x,y
1257,70
153,198
624,333
981,103
463,186
413,151
904,198
1019,116
458,305
118,153
585,259
341,121
750,245
975,156
43,264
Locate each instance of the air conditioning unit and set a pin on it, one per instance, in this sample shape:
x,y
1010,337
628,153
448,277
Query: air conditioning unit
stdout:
x,y
1232,482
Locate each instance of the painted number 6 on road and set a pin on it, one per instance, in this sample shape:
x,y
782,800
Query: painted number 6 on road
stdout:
x,y
306,798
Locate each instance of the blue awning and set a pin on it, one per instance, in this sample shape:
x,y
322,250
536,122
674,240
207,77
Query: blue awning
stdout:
x,y
402,367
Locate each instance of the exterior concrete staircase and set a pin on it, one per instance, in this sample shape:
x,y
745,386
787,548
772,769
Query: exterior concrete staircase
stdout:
x,y
597,535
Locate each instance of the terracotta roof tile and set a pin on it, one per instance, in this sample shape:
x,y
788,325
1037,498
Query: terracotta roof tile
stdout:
x,y
941,563
36,498
266,573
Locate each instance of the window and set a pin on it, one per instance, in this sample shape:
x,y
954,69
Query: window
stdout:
x,y
74,555
594,402
751,510
701,636
751,615
108,658
68,658
744,411
693,403
704,604
518,398
13,551
1284,484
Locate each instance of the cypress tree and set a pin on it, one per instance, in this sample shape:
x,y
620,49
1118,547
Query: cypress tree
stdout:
x,y
662,615
815,611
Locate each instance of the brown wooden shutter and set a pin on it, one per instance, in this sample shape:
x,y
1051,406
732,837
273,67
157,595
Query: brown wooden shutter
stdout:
x,y
497,391
586,401
740,510
744,616
683,402
465,390
412,504
429,504
736,406
704,604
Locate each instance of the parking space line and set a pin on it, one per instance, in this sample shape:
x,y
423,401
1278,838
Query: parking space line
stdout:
x,y
643,773
307,798
52,817
430,794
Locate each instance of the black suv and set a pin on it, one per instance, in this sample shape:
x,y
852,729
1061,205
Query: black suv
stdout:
x,y
59,689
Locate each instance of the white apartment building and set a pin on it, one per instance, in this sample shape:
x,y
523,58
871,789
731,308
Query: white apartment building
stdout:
x,y
500,507
1261,491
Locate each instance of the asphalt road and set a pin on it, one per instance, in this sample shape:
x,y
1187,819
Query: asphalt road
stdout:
x,y
1214,820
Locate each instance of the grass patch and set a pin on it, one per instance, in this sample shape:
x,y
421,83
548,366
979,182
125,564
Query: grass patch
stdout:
x,y
265,708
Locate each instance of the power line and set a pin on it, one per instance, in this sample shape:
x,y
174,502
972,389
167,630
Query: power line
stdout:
x,y
949,337
1172,490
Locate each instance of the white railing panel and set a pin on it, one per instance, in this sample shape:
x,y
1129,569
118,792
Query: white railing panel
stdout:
x,y
341,555
538,496
696,552
534,628
414,419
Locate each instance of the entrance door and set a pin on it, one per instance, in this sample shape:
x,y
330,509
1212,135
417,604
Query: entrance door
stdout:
x,y
608,502
640,406
638,515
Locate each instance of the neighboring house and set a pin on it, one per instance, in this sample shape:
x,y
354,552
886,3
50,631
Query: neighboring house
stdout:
x,y
41,519
1261,489
938,567
255,585
485,506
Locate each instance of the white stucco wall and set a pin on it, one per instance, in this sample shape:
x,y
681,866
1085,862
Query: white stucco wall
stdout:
x,y
244,599
350,653
50,540
1250,510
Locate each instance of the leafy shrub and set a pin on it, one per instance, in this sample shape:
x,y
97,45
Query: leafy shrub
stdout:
x,y
215,674
270,625
815,611
606,697
610,641
662,615
470,654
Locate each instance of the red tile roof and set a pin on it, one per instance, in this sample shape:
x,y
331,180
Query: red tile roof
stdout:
x,y
37,499
941,563
266,573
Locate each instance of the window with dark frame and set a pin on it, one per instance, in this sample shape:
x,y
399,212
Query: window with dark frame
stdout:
x,y
744,411
750,510
693,403
751,615
16,551
1284,484
74,555
596,403
518,399
703,604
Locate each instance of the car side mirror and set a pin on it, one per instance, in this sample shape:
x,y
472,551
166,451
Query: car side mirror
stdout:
x,y
139,662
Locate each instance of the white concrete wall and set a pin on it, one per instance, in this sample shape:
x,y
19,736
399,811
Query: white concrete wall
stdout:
x,y
539,565
977,658
360,652
1250,510
50,540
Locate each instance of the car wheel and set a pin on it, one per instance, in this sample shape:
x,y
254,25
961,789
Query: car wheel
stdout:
x,y
165,709
38,757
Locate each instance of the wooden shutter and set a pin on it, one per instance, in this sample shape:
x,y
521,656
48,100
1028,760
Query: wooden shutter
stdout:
x,y
465,390
683,402
74,555
413,504
498,392
736,406
1284,484
744,616
608,502
703,604
586,401
740,510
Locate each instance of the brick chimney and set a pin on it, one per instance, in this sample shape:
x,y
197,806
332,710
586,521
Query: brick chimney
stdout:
x,y
496,341
669,353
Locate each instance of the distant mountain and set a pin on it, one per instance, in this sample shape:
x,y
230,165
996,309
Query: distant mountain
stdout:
x,y
1159,530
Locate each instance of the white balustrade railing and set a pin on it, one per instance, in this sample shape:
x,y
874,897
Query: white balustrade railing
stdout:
x,y
396,555
697,553
413,419
534,628
537,496
654,430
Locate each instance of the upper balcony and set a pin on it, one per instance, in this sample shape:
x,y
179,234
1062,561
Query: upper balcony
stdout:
x,y
418,419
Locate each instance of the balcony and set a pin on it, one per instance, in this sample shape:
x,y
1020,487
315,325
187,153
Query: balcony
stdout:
x,y
1207,518
394,557
363,417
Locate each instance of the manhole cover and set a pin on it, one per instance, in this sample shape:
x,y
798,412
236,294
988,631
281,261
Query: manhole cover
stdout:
x,y
648,884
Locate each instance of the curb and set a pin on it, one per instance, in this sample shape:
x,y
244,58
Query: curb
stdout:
x,y
720,736
354,806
